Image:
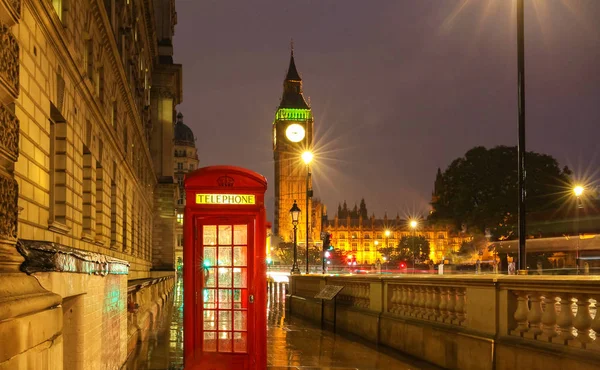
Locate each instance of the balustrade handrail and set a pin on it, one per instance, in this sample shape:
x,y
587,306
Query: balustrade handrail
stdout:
x,y
146,283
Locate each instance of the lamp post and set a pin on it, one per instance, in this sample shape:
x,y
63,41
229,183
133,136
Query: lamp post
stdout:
x,y
521,148
307,157
578,191
413,226
376,249
295,212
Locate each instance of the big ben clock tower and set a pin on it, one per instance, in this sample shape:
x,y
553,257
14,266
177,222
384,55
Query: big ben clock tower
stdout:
x,y
292,135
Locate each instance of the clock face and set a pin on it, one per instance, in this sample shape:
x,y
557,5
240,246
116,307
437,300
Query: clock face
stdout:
x,y
295,132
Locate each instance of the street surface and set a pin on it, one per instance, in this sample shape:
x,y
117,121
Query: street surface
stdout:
x,y
292,343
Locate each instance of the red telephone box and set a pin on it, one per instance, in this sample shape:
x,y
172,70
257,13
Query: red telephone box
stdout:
x,y
224,270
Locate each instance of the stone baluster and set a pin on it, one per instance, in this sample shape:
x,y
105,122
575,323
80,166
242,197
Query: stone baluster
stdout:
x,y
549,317
461,312
410,301
564,320
404,304
451,307
393,305
420,304
435,303
596,323
367,295
443,307
521,313
534,316
427,302
362,288
583,319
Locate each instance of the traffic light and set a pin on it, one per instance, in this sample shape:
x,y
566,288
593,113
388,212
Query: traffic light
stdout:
x,y
326,237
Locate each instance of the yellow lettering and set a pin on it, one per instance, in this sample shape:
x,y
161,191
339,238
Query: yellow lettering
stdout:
x,y
241,199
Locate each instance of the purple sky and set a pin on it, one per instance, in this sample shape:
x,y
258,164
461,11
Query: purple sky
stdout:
x,y
398,88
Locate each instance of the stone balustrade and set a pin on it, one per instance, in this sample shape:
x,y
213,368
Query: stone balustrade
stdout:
x,y
434,303
9,65
465,321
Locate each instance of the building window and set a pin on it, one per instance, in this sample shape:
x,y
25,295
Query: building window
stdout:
x,y
113,206
58,170
440,236
191,166
378,235
179,166
367,236
180,218
88,60
354,247
342,236
180,240
367,244
367,249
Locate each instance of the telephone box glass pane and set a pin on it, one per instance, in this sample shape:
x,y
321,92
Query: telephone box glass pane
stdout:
x,y
224,256
240,320
239,256
240,234
209,277
240,277
225,321
210,320
210,256
210,342
224,234
237,298
209,298
225,341
224,277
209,233
240,342
225,298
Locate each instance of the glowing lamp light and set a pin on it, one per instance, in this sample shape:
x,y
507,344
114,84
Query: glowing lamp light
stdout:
x,y
402,265
307,157
387,233
578,190
269,260
327,254
414,224
206,263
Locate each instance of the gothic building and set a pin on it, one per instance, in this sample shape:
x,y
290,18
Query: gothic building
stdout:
x,y
88,90
186,160
292,135
364,237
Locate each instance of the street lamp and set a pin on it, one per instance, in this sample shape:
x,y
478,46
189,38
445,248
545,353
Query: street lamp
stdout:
x,y
376,249
295,212
522,174
413,225
307,157
578,191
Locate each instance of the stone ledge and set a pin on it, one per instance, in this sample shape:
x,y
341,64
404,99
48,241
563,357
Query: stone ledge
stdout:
x,y
43,256
21,295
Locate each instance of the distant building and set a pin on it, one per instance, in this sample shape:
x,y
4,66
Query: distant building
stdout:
x,y
364,237
87,196
186,160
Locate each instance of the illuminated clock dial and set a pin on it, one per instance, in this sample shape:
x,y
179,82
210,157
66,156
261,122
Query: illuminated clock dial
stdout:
x,y
295,132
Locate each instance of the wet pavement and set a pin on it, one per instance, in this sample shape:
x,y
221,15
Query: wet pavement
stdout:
x,y
292,343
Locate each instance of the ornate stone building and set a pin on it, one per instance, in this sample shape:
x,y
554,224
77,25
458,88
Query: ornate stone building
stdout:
x,y
364,237
292,135
186,160
88,90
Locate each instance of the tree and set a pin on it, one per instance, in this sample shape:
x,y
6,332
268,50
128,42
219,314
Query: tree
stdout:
x,y
285,253
405,248
479,191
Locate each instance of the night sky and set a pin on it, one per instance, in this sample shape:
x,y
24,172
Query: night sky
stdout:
x,y
398,88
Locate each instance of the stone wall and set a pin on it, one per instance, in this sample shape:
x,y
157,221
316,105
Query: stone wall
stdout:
x,y
465,322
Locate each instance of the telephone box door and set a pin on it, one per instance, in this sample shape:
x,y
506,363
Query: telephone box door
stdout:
x,y
225,310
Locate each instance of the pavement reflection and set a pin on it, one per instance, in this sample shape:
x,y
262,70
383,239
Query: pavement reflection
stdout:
x,y
292,343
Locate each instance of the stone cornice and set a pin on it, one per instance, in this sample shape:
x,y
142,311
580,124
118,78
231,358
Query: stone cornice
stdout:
x,y
10,11
43,256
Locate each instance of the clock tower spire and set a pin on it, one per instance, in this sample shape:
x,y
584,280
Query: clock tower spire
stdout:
x,y
292,135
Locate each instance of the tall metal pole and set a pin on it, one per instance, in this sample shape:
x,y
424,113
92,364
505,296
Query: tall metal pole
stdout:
x,y
307,210
521,149
295,269
577,205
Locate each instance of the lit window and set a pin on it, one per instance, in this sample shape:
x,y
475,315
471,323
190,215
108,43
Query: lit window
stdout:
x,y
180,218
180,166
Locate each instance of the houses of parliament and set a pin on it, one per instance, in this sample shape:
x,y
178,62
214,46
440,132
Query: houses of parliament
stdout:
x,y
363,236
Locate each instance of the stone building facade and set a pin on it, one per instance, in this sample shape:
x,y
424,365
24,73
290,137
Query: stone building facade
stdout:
x,y
88,91
186,160
365,237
